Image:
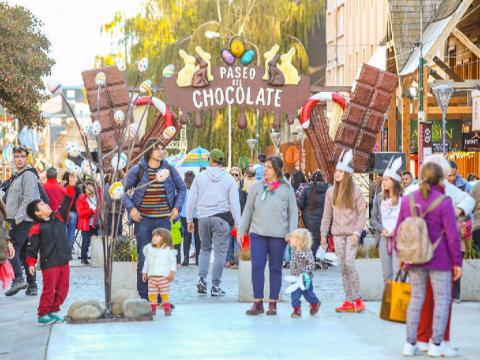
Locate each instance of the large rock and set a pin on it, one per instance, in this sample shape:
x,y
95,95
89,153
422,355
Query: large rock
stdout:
x,y
119,298
135,308
86,312
73,311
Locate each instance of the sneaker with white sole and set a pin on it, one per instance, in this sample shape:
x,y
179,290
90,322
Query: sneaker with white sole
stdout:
x,y
216,291
449,350
435,350
411,350
423,346
445,349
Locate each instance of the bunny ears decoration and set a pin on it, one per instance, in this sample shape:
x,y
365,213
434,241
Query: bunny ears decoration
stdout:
x,y
393,167
344,161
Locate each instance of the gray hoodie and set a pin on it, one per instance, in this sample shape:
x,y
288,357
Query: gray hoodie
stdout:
x,y
213,191
21,192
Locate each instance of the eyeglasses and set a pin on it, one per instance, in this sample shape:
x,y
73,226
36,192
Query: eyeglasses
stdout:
x,y
235,175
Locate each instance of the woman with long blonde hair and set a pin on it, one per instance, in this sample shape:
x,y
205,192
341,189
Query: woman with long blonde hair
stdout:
x,y
344,217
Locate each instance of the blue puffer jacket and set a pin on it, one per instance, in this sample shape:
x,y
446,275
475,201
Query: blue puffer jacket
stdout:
x,y
174,187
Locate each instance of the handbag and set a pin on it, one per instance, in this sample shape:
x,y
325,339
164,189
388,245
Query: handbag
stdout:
x,y
396,297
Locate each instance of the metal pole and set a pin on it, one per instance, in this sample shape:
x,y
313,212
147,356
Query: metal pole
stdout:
x,y
229,136
444,131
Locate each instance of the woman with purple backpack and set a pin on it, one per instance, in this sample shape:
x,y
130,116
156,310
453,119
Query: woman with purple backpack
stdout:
x,y
438,213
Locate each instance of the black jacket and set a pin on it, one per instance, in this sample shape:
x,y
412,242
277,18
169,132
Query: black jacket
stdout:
x,y
50,237
313,218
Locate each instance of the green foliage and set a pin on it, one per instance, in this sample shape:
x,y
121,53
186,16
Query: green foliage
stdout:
x,y
23,62
163,27
125,249
472,252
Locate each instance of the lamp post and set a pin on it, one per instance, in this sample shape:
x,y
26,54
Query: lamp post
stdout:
x,y
276,138
443,94
251,145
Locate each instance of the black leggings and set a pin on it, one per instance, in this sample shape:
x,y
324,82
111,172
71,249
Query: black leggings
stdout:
x,y
187,238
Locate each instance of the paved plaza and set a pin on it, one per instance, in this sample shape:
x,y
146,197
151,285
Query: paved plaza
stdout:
x,y
216,328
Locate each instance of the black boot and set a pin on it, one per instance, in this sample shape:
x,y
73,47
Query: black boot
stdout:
x,y
31,290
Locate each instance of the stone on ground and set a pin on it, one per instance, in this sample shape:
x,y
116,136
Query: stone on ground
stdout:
x,y
85,313
135,308
119,298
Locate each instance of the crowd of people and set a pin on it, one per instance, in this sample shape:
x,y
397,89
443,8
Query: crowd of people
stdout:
x,y
289,220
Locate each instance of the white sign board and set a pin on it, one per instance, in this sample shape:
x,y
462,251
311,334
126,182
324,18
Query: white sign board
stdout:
x,y
475,110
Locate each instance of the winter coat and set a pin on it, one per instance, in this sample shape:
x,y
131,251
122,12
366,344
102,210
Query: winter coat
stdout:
x,y
441,225
55,193
50,237
312,218
476,211
85,213
158,261
21,192
174,187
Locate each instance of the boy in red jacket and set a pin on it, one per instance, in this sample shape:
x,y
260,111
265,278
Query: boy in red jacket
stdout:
x,y
49,237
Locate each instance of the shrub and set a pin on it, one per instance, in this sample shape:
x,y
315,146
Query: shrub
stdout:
x,y
125,249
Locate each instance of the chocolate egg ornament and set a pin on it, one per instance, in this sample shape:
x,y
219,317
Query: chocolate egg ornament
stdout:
x,y
120,163
121,64
100,79
54,87
162,175
70,165
87,169
168,71
169,132
143,65
116,190
247,57
227,57
119,117
237,46
145,87
73,148
11,136
96,128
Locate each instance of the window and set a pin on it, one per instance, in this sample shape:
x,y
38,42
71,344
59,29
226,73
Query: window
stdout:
x,y
70,94
341,50
340,20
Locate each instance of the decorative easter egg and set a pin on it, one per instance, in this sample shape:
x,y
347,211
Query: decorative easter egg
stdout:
x,y
96,128
11,136
54,87
248,57
227,57
143,65
7,153
116,190
73,148
169,132
121,64
168,71
145,87
70,165
119,117
132,130
100,78
237,46
120,163
88,169
162,175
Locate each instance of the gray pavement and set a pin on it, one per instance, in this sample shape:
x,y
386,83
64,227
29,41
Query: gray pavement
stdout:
x,y
216,328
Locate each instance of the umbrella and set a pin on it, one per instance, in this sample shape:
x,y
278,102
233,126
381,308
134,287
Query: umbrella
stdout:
x,y
198,157
174,160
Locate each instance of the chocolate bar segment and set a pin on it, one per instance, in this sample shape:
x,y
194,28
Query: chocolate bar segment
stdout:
x,y
373,121
346,134
354,115
380,101
363,94
366,141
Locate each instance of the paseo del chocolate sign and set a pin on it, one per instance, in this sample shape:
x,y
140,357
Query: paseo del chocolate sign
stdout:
x,y
276,87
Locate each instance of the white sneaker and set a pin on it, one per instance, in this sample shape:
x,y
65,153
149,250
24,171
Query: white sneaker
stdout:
x,y
410,350
449,350
422,346
435,350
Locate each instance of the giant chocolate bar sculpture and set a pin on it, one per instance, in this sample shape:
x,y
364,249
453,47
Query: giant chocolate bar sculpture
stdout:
x,y
114,96
361,122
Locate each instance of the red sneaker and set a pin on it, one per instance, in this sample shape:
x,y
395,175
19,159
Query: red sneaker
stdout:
x,y
347,306
297,312
154,309
314,308
167,309
359,305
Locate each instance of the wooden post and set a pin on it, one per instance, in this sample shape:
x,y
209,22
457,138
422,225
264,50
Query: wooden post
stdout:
x,y
392,125
406,122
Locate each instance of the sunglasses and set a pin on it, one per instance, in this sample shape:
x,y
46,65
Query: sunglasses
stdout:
x,y
235,175
19,148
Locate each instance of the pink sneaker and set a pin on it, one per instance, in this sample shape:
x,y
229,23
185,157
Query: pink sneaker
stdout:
x,y
347,306
359,305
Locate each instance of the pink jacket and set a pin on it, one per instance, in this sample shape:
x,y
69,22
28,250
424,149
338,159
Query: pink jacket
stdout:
x,y
343,222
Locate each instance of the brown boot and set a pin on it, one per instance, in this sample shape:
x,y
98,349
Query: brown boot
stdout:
x,y
256,309
272,308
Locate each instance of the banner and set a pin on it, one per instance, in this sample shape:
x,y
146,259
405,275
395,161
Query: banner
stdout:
x,y
476,110
471,141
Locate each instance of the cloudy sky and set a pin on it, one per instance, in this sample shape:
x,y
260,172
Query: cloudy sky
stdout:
x,y
73,28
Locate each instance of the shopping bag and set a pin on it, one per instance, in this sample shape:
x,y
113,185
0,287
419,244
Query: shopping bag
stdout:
x,y
386,301
400,299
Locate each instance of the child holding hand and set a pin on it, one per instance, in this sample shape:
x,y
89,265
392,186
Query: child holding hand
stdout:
x,y
159,268
303,264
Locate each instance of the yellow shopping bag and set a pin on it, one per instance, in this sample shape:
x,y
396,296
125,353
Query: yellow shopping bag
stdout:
x,y
400,290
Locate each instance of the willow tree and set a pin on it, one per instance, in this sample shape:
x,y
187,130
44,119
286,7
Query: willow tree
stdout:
x,y
163,27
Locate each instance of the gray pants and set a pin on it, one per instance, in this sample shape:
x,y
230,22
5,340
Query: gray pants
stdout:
x,y
442,297
388,258
214,233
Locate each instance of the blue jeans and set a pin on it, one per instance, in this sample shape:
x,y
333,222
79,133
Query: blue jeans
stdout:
x,y
143,232
71,228
232,250
86,240
260,248
308,294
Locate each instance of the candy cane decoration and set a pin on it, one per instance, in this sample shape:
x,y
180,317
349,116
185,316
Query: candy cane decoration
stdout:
x,y
313,100
169,123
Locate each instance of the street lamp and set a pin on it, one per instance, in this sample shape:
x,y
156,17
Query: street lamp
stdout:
x,y
251,145
276,138
443,94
